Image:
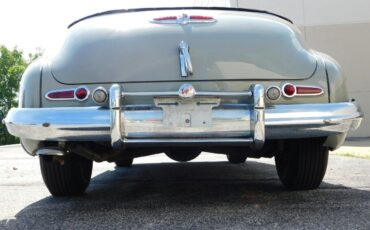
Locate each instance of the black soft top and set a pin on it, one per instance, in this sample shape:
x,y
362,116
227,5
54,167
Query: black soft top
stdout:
x,y
118,11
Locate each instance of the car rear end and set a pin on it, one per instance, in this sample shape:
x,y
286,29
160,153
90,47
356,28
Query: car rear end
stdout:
x,y
145,81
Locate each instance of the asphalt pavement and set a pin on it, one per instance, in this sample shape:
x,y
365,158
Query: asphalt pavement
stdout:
x,y
207,193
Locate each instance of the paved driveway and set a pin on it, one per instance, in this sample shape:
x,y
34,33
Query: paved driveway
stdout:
x,y
206,193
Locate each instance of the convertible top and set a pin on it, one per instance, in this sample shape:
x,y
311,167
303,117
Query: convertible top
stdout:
x,y
118,11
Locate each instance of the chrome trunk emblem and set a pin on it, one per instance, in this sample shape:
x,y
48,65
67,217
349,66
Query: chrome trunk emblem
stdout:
x,y
186,91
186,68
183,19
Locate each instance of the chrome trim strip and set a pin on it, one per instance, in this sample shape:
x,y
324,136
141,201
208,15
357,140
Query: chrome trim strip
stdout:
x,y
176,94
189,142
224,94
186,68
164,21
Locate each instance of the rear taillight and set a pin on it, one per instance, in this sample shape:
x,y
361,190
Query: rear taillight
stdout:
x,y
80,94
183,19
290,90
201,18
67,94
165,18
309,90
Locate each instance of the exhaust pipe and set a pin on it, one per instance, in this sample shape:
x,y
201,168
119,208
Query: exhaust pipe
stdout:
x,y
50,152
90,151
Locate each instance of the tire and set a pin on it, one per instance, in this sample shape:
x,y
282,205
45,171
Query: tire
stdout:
x,y
67,175
302,164
237,158
183,155
124,163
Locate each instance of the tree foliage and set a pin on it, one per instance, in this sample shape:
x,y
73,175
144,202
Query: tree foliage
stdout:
x,y
12,66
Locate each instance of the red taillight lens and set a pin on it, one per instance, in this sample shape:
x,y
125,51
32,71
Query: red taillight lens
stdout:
x,y
289,90
199,17
309,90
81,93
61,94
165,18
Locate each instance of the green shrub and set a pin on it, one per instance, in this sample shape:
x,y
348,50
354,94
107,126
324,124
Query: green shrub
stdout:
x,y
12,66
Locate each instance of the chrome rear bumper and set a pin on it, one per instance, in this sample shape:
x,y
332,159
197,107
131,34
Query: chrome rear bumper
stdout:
x,y
231,125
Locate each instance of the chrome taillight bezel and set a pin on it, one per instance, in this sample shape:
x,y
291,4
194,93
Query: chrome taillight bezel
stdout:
x,y
287,95
296,89
71,98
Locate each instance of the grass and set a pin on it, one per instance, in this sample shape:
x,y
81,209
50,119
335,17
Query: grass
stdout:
x,y
357,152
352,155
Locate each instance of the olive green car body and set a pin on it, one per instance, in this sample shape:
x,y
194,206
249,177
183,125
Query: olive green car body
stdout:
x,y
231,54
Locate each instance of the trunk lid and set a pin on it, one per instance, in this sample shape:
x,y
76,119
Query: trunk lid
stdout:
x,y
129,47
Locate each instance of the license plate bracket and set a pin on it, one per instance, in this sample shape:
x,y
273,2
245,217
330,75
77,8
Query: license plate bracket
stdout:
x,y
195,112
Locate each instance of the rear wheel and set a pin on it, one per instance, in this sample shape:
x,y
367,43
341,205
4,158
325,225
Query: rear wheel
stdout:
x,y
183,155
302,164
124,162
236,158
66,175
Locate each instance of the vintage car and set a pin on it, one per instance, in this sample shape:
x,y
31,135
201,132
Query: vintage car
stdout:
x,y
131,83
